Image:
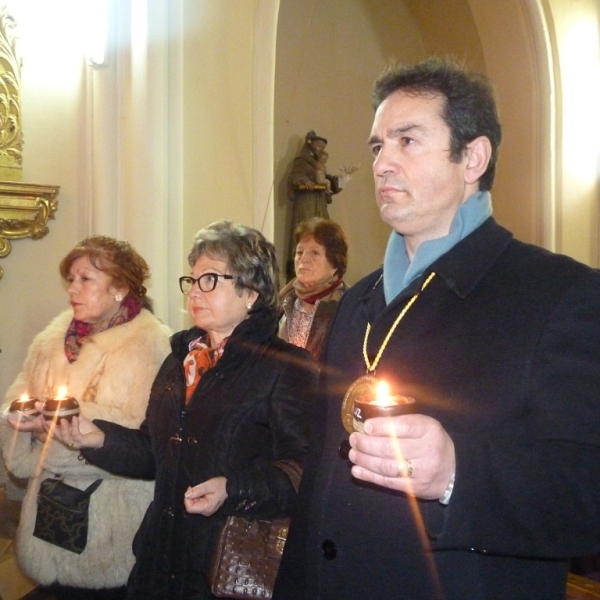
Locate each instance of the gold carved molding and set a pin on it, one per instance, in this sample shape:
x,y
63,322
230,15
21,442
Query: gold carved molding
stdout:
x,y
25,209
11,134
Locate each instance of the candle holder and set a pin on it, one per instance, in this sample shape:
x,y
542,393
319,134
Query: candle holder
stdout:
x,y
60,408
24,407
391,406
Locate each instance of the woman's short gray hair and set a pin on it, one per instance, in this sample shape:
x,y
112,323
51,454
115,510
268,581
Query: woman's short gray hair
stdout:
x,y
249,256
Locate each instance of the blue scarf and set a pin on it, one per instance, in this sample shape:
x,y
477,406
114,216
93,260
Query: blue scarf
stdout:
x,y
399,270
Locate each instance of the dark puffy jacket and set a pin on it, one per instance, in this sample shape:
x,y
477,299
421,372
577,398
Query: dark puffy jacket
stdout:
x,y
248,412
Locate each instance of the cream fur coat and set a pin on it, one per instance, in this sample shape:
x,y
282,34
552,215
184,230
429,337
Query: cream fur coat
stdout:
x,y
111,378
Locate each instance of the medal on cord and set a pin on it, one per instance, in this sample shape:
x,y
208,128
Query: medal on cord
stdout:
x,y
365,386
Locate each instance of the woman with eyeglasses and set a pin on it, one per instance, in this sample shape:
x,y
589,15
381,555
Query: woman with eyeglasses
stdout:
x,y
227,418
106,349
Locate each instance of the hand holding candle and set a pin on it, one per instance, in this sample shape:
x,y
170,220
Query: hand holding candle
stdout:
x,y
24,407
23,414
61,406
382,405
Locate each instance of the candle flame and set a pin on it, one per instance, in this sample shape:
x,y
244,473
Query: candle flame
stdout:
x,y
383,392
24,397
62,393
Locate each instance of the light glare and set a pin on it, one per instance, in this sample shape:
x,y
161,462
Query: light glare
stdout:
x,y
97,19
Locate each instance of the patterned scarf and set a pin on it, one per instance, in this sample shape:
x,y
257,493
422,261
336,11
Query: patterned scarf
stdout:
x,y
320,289
78,332
201,358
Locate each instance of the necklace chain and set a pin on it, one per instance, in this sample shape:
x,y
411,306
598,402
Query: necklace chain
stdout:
x,y
372,366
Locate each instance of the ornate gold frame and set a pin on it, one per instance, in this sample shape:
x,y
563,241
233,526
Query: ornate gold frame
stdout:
x,y
25,209
11,134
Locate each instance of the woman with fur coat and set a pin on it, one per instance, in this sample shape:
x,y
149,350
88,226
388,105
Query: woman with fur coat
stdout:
x,y
106,351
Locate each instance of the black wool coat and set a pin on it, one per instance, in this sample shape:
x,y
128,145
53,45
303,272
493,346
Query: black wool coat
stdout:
x,y
503,348
248,412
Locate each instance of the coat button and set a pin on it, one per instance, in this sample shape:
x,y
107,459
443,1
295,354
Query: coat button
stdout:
x,y
344,449
329,549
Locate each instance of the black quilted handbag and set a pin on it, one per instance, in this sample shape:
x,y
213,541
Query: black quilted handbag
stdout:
x,y
62,514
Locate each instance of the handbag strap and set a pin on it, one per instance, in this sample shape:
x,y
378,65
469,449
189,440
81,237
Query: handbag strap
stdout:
x,y
292,469
93,487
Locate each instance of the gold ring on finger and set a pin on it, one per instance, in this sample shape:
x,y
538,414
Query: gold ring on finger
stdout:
x,y
406,469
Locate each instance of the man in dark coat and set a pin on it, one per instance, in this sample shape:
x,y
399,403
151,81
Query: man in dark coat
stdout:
x,y
487,490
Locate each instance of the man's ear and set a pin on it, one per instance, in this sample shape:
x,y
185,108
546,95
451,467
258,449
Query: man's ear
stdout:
x,y
478,154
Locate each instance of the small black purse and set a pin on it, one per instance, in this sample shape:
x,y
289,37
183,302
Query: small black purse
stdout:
x,y
62,514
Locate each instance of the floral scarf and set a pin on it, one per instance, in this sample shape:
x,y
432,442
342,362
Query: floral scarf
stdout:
x,y
200,359
78,332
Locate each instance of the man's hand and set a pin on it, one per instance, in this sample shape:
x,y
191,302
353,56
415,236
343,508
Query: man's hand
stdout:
x,y
392,447
207,497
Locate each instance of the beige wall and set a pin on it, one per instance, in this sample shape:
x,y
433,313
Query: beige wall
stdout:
x,y
217,139
509,60
30,291
576,31
327,60
217,115
347,44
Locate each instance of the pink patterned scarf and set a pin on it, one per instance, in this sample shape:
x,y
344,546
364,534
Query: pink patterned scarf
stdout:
x,y
78,332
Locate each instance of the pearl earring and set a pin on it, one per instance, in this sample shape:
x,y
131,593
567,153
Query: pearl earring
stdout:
x,y
118,297
249,305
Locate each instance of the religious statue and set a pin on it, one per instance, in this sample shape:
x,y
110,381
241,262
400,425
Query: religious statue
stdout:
x,y
311,187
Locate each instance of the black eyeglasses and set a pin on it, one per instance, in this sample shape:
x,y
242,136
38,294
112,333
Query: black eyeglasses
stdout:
x,y
206,282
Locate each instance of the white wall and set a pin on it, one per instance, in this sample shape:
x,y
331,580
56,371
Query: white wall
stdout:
x,y
31,292
576,29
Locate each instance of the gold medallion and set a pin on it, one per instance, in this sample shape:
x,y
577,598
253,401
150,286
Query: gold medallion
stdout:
x,y
363,388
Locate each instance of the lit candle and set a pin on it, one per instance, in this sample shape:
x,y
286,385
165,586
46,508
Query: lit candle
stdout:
x,y
61,406
24,406
383,405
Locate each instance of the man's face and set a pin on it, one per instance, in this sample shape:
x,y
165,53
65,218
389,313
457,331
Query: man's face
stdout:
x,y
418,190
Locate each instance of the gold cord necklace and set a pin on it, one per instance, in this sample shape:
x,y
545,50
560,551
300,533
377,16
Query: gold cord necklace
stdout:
x,y
365,386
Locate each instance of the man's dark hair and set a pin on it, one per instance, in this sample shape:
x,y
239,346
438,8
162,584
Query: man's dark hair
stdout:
x,y
469,109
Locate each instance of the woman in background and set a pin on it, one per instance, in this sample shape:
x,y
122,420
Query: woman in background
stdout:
x,y
310,300
106,351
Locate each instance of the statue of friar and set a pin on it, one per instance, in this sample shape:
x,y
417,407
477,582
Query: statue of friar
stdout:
x,y
310,187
